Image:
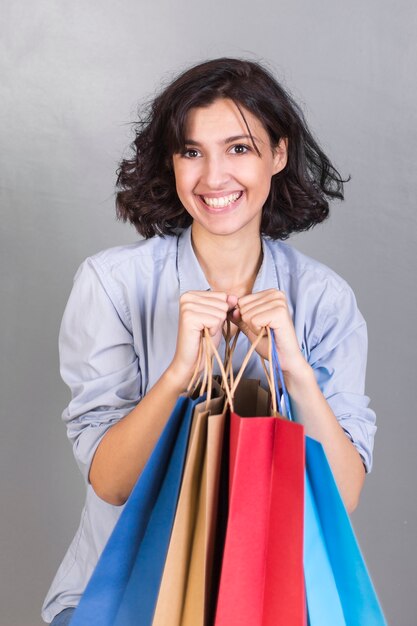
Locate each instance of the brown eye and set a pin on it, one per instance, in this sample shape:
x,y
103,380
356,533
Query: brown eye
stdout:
x,y
239,149
191,153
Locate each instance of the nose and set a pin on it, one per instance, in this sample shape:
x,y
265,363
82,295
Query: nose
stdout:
x,y
215,174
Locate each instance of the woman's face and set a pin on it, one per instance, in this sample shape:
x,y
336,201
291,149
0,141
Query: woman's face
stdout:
x,y
221,180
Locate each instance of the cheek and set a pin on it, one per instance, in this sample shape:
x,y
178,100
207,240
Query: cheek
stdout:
x,y
257,174
184,180
268,174
184,187
183,191
261,181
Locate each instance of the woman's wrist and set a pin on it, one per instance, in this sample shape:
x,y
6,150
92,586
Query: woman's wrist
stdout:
x,y
300,379
175,379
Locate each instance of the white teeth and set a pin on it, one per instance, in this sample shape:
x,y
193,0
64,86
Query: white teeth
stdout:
x,y
223,201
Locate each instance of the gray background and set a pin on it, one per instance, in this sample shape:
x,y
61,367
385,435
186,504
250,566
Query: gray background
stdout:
x,y
71,76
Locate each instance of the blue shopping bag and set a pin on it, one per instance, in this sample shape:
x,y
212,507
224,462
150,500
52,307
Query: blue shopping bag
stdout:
x,y
356,592
339,590
124,586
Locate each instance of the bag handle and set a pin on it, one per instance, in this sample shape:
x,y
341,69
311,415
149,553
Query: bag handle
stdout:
x,y
276,367
203,378
229,352
211,351
229,384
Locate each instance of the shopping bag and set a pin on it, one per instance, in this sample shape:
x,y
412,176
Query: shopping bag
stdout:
x,y
324,609
339,589
356,592
179,565
207,538
124,586
261,581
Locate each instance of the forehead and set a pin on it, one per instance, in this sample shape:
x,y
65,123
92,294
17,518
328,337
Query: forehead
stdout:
x,y
220,120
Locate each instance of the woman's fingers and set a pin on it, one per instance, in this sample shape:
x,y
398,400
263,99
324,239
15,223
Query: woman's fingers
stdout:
x,y
209,309
265,308
197,310
265,314
266,295
203,311
271,297
269,308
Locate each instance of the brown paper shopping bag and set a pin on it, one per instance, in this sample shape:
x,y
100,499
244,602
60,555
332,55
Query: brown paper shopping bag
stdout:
x,y
198,489
199,584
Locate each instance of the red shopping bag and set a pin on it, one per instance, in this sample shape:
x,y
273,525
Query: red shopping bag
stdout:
x,y
262,581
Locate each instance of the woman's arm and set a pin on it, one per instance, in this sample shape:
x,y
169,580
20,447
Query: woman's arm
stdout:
x,y
125,448
309,404
319,421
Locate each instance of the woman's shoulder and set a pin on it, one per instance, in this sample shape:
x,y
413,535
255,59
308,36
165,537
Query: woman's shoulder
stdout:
x,y
125,274
139,254
322,303
295,267
130,264
123,270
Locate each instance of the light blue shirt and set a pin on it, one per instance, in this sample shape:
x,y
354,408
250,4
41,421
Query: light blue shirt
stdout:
x,y
118,335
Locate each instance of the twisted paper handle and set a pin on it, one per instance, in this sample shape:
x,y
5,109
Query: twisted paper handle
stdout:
x,y
229,384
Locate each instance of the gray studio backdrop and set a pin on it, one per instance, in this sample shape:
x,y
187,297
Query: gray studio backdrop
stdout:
x,y
71,76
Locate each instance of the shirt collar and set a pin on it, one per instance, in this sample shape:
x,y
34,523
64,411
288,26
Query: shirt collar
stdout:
x,y
267,277
192,278
190,274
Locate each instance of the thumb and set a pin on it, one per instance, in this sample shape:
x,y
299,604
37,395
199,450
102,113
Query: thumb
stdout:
x,y
232,302
236,318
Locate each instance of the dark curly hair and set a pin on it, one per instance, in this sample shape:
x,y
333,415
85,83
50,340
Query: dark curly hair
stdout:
x,y
299,194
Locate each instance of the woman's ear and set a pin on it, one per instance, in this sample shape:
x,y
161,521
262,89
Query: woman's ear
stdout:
x,y
280,155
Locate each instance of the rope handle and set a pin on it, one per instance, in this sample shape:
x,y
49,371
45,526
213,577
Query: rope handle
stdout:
x,y
276,367
229,384
211,351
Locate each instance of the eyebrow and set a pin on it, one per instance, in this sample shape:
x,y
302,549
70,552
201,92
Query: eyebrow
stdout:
x,y
192,142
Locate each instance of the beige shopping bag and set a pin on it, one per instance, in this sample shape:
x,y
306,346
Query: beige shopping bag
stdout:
x,y
251,399
206,433
198,590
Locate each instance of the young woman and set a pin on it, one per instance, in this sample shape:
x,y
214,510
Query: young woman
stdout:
x,y
224,168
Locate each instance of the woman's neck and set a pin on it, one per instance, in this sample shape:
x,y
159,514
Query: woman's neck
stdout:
x,y
230,262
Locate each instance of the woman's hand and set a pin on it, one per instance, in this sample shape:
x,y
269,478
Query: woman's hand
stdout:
x,y
269,308
198,310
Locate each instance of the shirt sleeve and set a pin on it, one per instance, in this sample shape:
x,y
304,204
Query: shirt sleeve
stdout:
x,y
338,359
98,362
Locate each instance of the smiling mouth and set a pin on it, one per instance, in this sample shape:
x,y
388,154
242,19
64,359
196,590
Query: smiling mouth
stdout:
x,y
223,201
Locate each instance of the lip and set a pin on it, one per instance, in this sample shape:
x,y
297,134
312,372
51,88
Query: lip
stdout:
x,y
220,194
224,209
